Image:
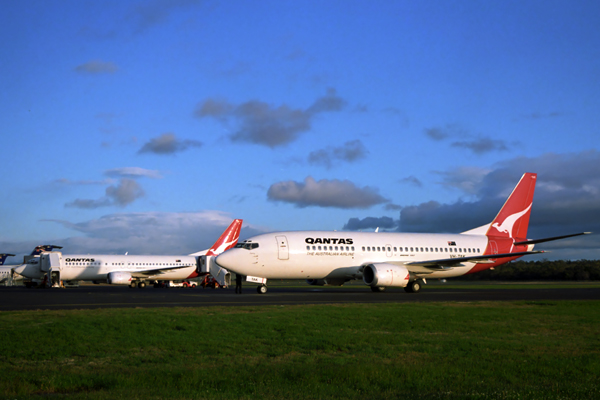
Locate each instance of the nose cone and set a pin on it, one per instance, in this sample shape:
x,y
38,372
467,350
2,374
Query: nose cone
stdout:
x,y
20,269
229,259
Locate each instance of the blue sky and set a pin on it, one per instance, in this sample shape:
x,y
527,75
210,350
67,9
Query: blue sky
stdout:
x,y
147,126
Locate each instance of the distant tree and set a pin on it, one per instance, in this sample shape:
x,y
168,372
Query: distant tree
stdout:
x,y
544,270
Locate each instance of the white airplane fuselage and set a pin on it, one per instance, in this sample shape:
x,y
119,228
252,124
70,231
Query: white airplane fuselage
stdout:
x,y
96,267
340,255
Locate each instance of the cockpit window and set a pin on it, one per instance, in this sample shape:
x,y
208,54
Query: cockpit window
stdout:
x,y
246,245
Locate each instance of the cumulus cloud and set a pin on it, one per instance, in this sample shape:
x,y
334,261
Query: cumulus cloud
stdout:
x,y
566,200
482,145
412,180
466,179
122,194
264,124
146,233
325,193
133,173
461,138
356,224
168,143
350,151
97,67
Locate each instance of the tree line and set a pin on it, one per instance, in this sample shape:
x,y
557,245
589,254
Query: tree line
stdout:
x,y
544,270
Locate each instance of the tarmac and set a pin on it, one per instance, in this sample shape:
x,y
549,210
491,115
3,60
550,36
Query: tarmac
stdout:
x,y
90,296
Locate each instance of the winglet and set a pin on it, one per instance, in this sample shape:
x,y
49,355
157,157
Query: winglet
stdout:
x,y
227,240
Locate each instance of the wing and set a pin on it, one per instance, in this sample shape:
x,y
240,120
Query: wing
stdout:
x,y
147,273
449,263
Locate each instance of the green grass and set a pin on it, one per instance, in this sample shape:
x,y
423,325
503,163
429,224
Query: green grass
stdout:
x,y
507,350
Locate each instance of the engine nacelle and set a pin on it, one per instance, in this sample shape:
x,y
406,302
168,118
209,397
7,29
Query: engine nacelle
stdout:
x,y
386,275
118,278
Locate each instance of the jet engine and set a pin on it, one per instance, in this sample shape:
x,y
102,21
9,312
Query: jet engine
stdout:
x,y
382,275
118,278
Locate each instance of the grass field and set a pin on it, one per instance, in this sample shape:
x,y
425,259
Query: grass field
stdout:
x,y
507,350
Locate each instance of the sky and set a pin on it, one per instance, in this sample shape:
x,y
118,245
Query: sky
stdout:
x,y
147,126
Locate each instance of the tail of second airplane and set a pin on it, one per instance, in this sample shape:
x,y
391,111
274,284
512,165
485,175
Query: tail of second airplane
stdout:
x,y
4,256
513,219
46,247
227,240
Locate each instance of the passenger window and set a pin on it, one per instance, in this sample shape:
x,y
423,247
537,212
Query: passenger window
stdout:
x,y
352,248
307,247
363,248
319,248
314,247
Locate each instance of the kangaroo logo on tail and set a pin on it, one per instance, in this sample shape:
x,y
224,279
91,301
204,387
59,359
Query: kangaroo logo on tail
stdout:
x,y
228,239
513,219
509,222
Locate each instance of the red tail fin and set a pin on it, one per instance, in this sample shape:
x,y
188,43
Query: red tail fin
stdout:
x,y
513,219
227,240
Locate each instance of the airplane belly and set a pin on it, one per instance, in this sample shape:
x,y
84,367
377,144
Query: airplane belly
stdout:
x,y
302,266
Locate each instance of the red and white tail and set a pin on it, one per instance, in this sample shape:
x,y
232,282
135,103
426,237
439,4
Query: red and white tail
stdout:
x,y
227,240
513,219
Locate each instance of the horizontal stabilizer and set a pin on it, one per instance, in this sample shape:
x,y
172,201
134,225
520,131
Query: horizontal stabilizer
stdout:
x,y
457,262
535,241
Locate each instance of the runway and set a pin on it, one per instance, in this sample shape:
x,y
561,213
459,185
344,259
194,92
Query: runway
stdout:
x,y
106,296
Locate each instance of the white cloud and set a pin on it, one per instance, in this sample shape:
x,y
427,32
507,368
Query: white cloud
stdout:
x,y
147,233
133,173
264,124
325,193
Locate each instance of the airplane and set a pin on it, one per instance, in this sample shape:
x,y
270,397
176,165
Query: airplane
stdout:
x,y
132,270
7,273
388,259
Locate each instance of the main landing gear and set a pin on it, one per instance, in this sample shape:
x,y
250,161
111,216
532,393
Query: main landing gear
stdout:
x,y
414,286
262,289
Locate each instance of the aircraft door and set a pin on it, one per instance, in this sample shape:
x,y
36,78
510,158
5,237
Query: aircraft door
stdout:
x,y
388,250
283,252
